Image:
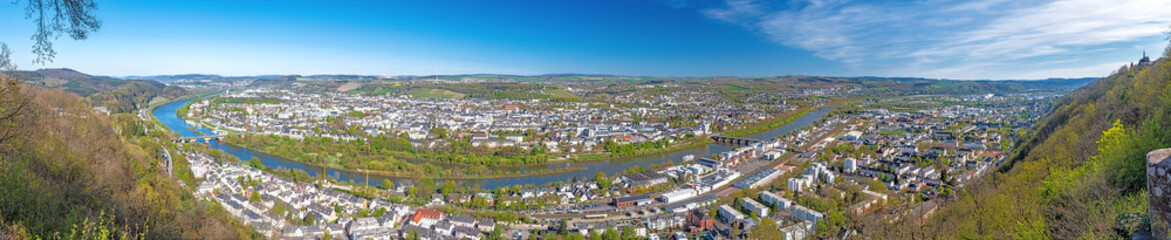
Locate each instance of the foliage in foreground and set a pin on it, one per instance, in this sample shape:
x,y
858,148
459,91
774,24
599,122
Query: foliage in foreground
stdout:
x,y
67,172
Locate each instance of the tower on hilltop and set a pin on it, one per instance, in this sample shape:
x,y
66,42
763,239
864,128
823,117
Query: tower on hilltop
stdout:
x,y
1145,61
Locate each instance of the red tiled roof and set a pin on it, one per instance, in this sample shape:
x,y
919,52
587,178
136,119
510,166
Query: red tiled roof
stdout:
x,y
425,213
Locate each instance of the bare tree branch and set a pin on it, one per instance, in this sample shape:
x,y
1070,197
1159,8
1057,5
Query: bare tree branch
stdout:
x,y
54,17
6,58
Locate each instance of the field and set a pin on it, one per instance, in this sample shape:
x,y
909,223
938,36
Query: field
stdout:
x,y
435,93
348,86
560,93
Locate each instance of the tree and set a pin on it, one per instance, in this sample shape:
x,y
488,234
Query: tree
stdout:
x,y
379,212
412,235
255,162
564,227
1167,51
327,235
448,187
55,17
602,181
255,197
497,234
628,232
767,229
279,208
575,236
387,184
14,104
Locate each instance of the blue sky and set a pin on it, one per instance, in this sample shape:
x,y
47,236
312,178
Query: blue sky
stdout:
x,y
974,39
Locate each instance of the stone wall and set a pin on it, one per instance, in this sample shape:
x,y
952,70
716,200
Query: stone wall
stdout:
x,y
1159,186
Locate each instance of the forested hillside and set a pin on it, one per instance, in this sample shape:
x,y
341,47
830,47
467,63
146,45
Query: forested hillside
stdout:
x,y
69,173
118,95
1079,173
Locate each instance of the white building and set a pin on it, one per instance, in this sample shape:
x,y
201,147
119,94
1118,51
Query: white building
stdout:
x,y
774,199
752,206
729,213
799,184
679,195
804,213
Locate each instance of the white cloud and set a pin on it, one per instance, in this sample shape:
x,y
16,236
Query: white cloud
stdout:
x,y
1098,70
973,39
737,11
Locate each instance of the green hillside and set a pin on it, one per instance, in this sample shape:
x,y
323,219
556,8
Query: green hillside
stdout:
x,y
117,95
67,172
1080,173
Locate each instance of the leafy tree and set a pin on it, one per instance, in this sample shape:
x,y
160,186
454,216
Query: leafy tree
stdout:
x,y
767,229
575,236
448,187
563,227
255,162
14,104
603,182
278,208
310,219
412,235
379,212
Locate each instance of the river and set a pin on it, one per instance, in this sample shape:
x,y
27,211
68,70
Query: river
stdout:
x,y
168,115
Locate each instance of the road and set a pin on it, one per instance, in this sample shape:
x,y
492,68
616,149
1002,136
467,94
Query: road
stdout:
x,y
169,166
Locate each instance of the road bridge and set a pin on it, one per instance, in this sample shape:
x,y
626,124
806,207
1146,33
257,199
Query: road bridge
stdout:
x,y
736,140
196,138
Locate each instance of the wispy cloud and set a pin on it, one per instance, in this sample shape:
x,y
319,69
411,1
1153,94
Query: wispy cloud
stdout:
x,y
955,39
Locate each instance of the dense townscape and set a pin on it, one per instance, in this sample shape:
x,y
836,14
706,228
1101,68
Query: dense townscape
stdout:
x,y
881,158
576,120
558,126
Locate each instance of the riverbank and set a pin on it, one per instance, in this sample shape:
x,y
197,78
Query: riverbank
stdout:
x,y
182,112
775,122
770,124
149,111
783,118
667,150
548,159
409,175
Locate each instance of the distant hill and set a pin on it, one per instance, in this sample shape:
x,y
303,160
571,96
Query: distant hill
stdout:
x,y
118,95
274,82
893,86
899,85
175,78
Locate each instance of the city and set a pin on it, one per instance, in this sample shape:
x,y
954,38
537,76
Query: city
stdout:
x,y
879,158
575,120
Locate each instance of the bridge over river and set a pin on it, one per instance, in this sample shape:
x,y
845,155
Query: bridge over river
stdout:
x,y
736,140
205,138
